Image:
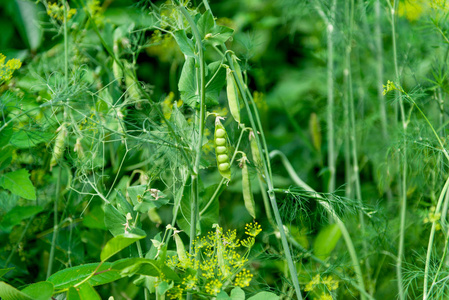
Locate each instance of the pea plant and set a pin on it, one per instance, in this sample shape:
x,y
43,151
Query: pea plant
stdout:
x,y
228,150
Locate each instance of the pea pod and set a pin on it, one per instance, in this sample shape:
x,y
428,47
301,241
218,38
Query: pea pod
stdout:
x,y
232,92
58,149
221,150
246,186
255,150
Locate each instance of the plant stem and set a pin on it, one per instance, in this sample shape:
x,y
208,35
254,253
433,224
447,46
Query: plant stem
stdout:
x,y
393,10
380,69
202,103
329,209
55,225
431,239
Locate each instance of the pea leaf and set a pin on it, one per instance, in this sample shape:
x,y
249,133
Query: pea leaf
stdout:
x,y
86,291
19,183
11,293
326,241
264,296
205,23
17,214
237,294
71,276
40,290
72,294
185,44
118,243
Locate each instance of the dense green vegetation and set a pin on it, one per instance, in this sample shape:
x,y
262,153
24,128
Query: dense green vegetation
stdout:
x,y
228,150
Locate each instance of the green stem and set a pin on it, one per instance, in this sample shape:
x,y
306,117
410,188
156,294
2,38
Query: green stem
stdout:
x,y
202,85
329,209
403,209
432,237
55,225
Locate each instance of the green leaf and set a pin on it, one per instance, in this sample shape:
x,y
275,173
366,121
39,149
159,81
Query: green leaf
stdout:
x,y
215,83
5,157
264,296
114,220
219,35
27,16
17,214
71,276
40,290
237,294
187,83
72,294
326,241
4,271
223,296
87,292
5,134
95,218
19,183
11,293
185,44
26,139
117,244
205,23
144,266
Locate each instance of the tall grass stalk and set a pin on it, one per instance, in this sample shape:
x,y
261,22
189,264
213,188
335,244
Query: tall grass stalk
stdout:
x,y
380,68
403,205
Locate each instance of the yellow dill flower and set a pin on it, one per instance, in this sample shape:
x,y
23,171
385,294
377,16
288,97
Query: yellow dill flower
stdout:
x,y
259,99
175,292
253,229
189,282
325,296
213,287
311,284
243,278
249,242
330,283
57,12
389,87
412,9
6,70
433,217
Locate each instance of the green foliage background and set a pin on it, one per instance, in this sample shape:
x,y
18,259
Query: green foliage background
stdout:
x,y
115,144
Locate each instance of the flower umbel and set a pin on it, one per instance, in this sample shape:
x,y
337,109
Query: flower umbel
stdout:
x,y
6,70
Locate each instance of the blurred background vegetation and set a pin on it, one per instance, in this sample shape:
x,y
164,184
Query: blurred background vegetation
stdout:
x,y
283,50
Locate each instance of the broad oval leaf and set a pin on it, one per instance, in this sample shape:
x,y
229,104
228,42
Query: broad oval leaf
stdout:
x,y
237,294
264,296
11,293
40,290
71,276
19,183
117,244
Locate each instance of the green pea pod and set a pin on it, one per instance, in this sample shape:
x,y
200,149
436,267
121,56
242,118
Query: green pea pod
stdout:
x,y
221,151
255,150
238,71
58,149
232,92
246,186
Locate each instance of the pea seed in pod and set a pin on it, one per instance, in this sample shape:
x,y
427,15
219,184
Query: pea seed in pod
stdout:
x,y
222,158
224,167
221,150
220,141
220,133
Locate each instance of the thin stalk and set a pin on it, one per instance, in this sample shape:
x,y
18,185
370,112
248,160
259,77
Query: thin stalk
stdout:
x,y
329,209
442,261
380,69
431,239
403,209
330,100
55,224
202,86
353,136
